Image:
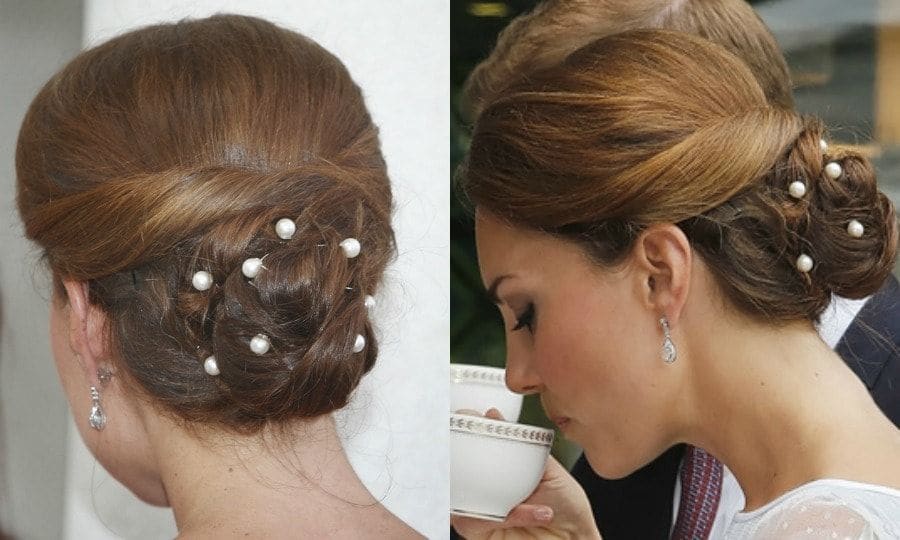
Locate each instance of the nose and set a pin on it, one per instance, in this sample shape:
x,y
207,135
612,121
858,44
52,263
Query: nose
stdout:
x,y
520,376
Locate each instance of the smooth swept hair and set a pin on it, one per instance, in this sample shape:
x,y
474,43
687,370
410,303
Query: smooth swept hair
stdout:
x,y
556,28
654,126
175,148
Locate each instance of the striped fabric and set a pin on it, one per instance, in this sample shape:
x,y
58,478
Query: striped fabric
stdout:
x,y
701,487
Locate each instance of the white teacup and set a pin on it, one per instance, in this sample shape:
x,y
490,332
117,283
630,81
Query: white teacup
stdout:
x,y
494,465
479,388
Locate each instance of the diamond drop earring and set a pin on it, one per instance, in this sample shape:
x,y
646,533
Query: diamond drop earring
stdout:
x,y
669,353
97,419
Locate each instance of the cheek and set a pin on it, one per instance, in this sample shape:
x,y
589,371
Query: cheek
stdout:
x,y
587,341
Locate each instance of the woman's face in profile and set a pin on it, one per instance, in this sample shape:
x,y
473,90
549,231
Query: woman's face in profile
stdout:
x,y
577,334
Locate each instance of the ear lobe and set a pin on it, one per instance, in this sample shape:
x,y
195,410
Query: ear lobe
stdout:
x,y
86,328
664,255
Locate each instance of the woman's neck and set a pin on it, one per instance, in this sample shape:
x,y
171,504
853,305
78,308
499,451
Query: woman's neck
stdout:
x,y
780,409
269,485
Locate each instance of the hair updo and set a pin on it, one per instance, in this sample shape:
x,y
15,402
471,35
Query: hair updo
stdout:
x,y
654,126
176,148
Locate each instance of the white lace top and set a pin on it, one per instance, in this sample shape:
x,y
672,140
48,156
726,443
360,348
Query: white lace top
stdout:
x,y
829,509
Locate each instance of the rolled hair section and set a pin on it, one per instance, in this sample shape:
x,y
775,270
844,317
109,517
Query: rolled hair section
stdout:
x,y
649,127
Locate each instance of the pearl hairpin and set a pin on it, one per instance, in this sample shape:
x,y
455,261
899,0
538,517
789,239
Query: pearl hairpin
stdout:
x,y
202,280
260,344
833,170
823,146
211,366
797,189
370,301
855,229
351,247
359,344
285,228
804,263
251,267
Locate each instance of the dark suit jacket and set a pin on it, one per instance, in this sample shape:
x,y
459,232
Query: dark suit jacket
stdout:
x,y
639,506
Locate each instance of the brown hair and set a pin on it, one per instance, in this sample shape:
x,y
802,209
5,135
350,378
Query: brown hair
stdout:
x,y
175,148
674,129
556,28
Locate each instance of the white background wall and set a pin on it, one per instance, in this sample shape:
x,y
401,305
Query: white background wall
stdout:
x,y
395,429
36,38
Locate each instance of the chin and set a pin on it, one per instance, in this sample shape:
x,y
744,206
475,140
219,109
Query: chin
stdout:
x,y
610,466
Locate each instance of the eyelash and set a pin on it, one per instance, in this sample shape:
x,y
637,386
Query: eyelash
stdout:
x,y
526,319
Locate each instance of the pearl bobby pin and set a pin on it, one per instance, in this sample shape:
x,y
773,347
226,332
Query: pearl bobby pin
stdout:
x,y
359,344
351,247
285,228
202,280
251,267
855,229
210,365
797,189
260,344
833,170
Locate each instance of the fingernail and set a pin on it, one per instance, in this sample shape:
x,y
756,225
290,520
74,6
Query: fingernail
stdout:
x,y
543,514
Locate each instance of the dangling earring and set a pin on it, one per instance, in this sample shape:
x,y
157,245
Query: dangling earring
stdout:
x,y
104,375
669,353
97,419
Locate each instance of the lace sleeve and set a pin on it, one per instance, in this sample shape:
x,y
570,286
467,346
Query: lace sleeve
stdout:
x,y
816,519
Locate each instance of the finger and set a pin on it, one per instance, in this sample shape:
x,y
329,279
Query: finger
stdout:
x,y
522,516
529,515
494,413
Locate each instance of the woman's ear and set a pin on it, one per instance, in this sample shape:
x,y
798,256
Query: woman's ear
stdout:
x,y
662,255
87,329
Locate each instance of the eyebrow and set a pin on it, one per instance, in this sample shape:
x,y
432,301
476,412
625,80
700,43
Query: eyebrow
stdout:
x,y
492,290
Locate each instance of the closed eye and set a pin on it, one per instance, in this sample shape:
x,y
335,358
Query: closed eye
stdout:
x,y
526,319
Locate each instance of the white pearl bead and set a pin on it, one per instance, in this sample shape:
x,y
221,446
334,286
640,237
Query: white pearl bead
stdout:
x,y
797,189
370,301
260,344
855,229
823,146
351,247
359,344
804,263
833,170
211,366
202,280
251,267
285,228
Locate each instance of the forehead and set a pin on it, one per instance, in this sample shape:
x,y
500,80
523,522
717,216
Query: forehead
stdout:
x,y
505,249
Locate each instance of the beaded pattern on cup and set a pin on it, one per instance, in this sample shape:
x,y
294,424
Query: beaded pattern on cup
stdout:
x,y
512,431
478,375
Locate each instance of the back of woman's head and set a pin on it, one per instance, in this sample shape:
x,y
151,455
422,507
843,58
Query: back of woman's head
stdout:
x,y
557,28
175,149
654,126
